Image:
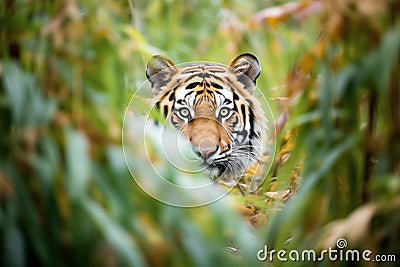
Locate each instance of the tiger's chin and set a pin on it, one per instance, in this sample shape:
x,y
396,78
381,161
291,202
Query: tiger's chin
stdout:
x,y
221,171
215,171
230,170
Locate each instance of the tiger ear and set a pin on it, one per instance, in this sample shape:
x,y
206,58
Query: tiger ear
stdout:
x,y
247,64
159,71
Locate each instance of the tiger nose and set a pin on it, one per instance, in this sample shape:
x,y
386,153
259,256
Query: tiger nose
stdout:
x,y
206,148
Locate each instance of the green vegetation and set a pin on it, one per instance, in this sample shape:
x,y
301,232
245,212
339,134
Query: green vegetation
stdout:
x,y
69,68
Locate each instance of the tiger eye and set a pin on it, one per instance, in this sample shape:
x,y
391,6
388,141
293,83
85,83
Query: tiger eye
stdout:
x,y
224,112
184,112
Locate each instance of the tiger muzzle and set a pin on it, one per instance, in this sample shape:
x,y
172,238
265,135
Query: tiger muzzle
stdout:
x,y
206,148
207,137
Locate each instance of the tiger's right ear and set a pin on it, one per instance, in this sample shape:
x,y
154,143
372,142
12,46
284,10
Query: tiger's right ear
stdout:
x,y
159,72
248,65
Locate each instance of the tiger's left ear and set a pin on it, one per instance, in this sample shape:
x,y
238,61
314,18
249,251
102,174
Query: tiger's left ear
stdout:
x,y
247,64
159,71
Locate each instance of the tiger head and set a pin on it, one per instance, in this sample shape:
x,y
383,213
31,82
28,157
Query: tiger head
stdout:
x,y
212,106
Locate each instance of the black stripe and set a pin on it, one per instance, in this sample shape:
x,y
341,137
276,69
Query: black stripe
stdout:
x,y
172,96
187,94
165,110
251,119
209,92
192,85
218,92
243,110
227,101
216,85
217,70
235,96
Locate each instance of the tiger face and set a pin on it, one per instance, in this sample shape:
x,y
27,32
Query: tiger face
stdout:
x,y
213,106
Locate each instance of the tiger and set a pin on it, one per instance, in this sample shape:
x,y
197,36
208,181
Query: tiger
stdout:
x,y
213,107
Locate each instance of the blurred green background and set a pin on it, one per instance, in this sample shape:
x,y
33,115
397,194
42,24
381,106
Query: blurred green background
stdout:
x,y
69,68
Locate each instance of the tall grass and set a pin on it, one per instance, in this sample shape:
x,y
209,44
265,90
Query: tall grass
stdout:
x,y
69,68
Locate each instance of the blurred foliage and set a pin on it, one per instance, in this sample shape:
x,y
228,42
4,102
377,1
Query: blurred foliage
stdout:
x,y
68,69
343,102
